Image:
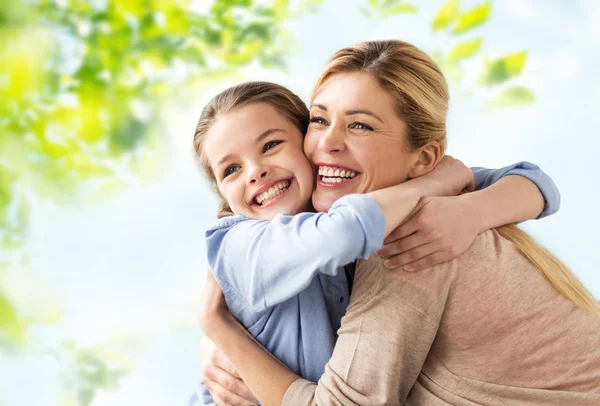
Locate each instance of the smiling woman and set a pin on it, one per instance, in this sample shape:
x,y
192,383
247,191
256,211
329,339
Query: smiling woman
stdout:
x,y
346,133
484,327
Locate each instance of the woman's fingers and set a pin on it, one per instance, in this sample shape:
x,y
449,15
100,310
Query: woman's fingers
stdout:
x,y
404,244
229,389
223,397
409,256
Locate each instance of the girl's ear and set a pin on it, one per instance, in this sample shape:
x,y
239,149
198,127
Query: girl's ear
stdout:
x,y
429,156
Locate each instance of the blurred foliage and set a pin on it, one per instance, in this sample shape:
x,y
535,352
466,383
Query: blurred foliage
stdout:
x,y
499,72
81,86
84,371
385,8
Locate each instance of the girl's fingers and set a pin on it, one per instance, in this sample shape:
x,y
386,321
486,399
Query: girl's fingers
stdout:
x,y
403,230
409,256
428,261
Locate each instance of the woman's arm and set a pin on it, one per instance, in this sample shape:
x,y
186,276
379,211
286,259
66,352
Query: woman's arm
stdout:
x,y
267,377
384,340
444,227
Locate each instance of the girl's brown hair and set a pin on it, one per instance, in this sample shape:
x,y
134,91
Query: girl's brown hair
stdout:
x,y
233,98
421,96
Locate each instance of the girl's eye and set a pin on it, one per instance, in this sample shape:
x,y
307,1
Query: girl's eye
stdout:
x,y
361,126
318,120
231,170
271,144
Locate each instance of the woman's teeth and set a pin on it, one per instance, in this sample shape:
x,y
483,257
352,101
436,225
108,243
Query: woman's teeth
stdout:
x,y
273,191
335,175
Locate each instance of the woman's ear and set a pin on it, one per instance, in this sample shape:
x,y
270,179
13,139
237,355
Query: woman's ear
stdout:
x,y
429,156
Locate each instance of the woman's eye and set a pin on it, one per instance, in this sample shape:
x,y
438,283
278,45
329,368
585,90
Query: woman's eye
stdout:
x,y
361,126
231,170
318,120
271,144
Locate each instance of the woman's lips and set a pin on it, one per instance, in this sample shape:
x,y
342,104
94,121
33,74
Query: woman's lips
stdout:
x,y
337,184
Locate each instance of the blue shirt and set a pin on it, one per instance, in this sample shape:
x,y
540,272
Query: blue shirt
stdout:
x,y
284,279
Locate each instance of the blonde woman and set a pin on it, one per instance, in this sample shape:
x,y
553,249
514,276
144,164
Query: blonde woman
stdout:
x,y
503,323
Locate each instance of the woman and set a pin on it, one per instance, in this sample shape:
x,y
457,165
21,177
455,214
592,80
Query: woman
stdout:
x,y
485,328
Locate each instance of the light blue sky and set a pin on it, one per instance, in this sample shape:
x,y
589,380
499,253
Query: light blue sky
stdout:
x,y
134,264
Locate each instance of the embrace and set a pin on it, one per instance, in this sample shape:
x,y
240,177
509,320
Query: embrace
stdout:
x,y
355,264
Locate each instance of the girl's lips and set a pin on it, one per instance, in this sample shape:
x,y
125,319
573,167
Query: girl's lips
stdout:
x,y
275,199
335,185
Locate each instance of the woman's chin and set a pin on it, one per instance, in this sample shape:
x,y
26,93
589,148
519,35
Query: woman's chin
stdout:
x,y
323,199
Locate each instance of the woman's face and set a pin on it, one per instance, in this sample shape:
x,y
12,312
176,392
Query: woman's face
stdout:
x,y
356,139
259,165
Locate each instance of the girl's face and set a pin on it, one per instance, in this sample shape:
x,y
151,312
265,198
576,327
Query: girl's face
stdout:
x,y
356,139
257,158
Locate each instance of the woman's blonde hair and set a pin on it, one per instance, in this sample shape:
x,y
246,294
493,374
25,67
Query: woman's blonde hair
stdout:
x,y
280,98
421,96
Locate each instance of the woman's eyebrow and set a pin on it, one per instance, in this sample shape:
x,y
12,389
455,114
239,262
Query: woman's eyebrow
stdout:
x,y
351,112
367,112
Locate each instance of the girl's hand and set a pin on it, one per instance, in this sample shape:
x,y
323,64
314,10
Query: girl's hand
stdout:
x,y
441,229
451,177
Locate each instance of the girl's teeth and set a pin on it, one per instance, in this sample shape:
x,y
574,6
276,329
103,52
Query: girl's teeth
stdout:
x,y
273,191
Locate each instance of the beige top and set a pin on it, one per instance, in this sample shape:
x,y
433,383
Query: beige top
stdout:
x,y
486,328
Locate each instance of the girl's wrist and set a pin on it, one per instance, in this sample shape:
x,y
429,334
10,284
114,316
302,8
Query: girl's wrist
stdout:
x,y
472,205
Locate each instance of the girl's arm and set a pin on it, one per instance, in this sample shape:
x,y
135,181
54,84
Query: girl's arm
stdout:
x,y
268,262
444,227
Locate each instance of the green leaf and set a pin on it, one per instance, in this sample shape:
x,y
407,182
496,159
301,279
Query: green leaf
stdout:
x,y
464,50
400,9
513,97
445,15
373,3
10,324
472,18
502,69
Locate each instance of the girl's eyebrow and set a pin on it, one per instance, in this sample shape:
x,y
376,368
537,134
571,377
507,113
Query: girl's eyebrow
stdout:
x,y
258,139
265,134
351,112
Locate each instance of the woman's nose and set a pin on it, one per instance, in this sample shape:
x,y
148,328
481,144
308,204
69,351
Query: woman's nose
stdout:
x,y
332,141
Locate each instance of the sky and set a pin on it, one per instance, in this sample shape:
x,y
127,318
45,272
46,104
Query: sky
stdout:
x,y
133,265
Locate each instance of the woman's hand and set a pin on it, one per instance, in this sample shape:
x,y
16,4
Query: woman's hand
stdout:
x,y
221,378
441,229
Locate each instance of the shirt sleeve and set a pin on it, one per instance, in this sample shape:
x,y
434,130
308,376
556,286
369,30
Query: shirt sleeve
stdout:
x,y
485,177
385,338
201,397
268,262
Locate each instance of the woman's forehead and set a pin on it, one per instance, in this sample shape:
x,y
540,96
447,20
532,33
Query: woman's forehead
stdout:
x,y
354,89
